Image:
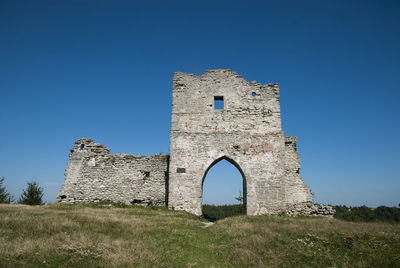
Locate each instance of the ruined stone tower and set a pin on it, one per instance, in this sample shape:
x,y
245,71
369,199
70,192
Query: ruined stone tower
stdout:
x,y
215,116
219,115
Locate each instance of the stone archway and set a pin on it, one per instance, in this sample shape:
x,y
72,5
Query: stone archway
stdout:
x,y
236,165
220,114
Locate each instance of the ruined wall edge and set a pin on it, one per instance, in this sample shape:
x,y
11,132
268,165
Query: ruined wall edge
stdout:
x,y
92,174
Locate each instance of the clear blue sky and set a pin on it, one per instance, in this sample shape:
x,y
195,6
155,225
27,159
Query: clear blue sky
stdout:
x,y
103,69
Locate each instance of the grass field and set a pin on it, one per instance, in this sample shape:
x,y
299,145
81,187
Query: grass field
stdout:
x,y
91,236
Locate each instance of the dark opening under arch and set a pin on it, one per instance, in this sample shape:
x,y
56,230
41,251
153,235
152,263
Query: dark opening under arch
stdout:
x,y
244,182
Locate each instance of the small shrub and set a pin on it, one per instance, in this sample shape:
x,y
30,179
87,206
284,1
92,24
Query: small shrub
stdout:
x,y
282,214
33,195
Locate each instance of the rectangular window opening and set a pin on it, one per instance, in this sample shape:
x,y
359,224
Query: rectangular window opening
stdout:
x,y
180,170
218,103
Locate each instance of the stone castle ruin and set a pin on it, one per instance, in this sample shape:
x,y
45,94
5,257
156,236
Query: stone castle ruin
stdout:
x,y
215,116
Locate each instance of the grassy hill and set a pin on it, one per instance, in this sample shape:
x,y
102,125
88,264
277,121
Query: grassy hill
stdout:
x,y
93,236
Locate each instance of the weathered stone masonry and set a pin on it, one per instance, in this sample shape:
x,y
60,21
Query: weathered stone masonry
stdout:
x,y
245,130
92,174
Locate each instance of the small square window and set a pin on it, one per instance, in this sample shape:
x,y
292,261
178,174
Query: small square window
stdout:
x,y
218,103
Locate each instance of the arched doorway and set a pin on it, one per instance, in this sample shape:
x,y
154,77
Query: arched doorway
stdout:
x,y
223,189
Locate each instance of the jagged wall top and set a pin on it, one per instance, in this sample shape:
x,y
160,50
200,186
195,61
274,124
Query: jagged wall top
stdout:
x,y
88,146
248,106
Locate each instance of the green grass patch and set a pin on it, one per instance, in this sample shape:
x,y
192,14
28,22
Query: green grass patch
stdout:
x,y
94,235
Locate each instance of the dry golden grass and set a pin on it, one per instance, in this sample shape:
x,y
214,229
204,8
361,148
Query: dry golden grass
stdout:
x,y
91,236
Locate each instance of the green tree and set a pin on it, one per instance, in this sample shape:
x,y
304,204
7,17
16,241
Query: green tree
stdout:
x,y
33,195
240,197
5,196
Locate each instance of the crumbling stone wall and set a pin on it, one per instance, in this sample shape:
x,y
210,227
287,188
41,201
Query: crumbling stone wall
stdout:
x,y
247,132
296,190
93,174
